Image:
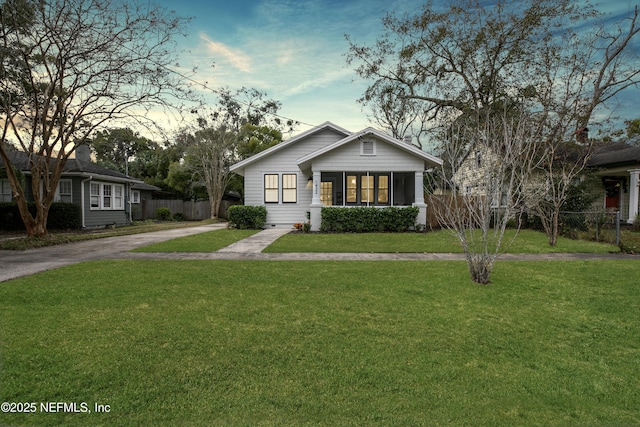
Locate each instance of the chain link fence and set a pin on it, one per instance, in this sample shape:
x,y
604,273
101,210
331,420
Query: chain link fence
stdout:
x,y
601,226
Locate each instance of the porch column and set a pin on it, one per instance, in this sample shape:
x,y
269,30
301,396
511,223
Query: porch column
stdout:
x,y
419,203
633,194
316,205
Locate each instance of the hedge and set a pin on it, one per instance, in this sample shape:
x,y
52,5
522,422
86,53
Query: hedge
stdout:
x,y
62,216
368,219
247,217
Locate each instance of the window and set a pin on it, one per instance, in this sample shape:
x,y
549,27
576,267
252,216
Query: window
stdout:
x,y
64,191
271,188
135,196
368,188
106,196
5,191
478,159
352,189
289,188
383,189
95,195
367,148
326,193
118,197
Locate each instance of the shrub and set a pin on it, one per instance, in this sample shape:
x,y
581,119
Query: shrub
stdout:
x,y
163,214
62,216
179,217
368,219
247,217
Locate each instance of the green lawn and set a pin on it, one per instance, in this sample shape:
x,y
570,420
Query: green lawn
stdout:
x,y
527,241
393,343
204,242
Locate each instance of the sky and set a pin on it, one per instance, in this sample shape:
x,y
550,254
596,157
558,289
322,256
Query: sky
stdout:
x,y
295,51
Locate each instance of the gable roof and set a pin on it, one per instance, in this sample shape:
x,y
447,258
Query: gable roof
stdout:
x,y
20,160
305,161
618,154
284,144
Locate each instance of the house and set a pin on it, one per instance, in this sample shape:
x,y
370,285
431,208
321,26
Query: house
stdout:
x,y
330,166
618,166
102,194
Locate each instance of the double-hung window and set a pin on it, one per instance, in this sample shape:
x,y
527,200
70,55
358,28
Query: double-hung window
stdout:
x,y
105,196
271,189
64,191
280,188
289,188
5,191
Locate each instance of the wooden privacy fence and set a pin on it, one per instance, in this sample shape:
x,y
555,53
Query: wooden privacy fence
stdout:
x,y
439,207
191,210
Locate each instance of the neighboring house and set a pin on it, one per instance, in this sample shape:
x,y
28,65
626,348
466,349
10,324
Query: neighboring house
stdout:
x,y
100,192
619,167
330,166
471,176
140,192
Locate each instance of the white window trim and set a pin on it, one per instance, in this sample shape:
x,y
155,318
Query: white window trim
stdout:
x,y
58,195
4,184
112,197
135,197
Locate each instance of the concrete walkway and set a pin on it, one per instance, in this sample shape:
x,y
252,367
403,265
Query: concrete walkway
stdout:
x,y
15,264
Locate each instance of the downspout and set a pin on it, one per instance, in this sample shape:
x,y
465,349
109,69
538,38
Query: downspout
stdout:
x,y
82,198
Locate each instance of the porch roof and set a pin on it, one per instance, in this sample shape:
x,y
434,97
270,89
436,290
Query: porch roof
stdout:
x,y
618,154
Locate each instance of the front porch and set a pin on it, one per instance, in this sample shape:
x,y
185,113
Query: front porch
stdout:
x,y
366,189
621,192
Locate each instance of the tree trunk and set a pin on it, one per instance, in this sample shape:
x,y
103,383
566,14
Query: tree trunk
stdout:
x,y
480,266
215,206
35,226
551,227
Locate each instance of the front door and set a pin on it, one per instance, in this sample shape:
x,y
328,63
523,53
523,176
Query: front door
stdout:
x,y
612,189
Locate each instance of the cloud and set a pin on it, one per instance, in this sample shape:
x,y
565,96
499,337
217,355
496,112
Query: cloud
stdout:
x,y
235,58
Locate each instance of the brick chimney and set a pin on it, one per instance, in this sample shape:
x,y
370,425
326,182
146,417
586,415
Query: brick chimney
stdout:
x,y
83,153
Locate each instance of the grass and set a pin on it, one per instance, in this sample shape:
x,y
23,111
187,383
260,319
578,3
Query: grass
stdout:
x,y
443,241
219,343
21,243
203,242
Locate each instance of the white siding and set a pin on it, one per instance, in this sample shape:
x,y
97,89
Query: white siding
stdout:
x,y
285,162
387,158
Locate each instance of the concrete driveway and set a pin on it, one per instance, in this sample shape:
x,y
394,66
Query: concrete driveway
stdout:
x,y
22,263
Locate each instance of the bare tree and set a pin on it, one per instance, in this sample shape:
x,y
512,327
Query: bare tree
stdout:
x,y
67,68
488,163
579,74
557,57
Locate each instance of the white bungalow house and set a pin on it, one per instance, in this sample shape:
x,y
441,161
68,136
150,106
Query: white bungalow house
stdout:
x,y
330,166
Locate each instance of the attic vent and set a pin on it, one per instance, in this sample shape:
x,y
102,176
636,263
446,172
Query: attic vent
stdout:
x,y
367,148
